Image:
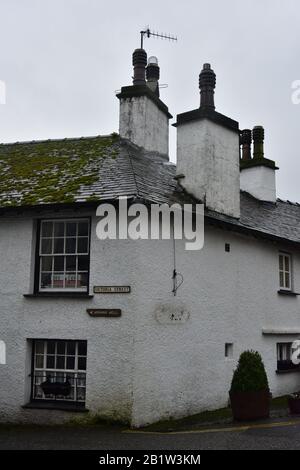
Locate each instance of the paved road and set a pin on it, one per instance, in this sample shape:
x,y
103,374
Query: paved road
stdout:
x,y
285,435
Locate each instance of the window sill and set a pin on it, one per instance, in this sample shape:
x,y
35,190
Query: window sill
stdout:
x,y
55,295
41,405
287,371
288,292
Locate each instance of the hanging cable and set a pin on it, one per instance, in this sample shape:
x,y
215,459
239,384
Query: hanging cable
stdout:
x,y
176,277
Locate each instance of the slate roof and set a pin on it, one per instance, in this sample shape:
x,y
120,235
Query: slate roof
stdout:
x,y
103,168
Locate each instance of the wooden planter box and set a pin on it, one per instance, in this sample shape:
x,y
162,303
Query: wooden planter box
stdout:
x,y
294,405
248,406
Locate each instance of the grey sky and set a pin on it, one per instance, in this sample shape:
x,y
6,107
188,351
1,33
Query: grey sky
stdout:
x,y
62,61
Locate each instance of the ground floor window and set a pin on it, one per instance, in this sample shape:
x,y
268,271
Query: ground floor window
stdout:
x,y
284,357
59,370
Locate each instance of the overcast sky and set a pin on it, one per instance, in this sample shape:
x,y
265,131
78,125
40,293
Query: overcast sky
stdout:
x,y
63,60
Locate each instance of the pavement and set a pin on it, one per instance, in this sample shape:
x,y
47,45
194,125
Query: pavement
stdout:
x,y
278,433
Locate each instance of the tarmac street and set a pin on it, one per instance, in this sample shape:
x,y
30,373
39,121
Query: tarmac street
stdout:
x,y
278,434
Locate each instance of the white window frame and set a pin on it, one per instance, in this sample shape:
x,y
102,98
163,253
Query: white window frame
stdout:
x,y
39,374
283,272
64,254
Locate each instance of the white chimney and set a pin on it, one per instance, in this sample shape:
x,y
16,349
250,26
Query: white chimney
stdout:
x,y
257,173
144,118
208,152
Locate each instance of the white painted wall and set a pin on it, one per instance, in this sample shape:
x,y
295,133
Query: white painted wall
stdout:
x,y
139,368
208,157
144,124
260,182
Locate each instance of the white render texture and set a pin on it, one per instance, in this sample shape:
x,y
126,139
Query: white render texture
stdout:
x,y
144,124
208,157
260,182
140,367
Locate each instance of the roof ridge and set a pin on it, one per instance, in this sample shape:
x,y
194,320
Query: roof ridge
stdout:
x,y
43,141
286,201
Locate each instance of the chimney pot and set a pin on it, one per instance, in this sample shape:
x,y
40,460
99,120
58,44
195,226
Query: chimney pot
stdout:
x,y
152,74
207,84
139,62
245,141
258,135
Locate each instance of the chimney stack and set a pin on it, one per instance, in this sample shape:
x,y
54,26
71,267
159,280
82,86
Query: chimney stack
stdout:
x,y
207,85
257,173
144,118
208,152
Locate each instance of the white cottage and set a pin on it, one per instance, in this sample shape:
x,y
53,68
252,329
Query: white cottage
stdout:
x,y
91,326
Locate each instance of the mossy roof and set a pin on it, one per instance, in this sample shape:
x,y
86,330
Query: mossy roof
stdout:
x,y
82,170
52,171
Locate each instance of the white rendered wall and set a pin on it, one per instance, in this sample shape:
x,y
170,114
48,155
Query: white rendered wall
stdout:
x,y
259,181
140,368
208,157
109,340
144,124
180,369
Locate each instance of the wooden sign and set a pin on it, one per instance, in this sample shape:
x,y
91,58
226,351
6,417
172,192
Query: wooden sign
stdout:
x,y
104,312
112,289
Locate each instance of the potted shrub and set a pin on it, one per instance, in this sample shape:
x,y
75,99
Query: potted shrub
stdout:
x,y
249,392
294,403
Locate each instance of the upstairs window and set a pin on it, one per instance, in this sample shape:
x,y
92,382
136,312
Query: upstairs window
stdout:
x,y
64,255
285,271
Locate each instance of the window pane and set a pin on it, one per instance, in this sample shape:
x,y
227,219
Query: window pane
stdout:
x,y
281,279
46,247
61,347
47,263
58,280
70,362
59,263
83,228
71,346
59,229
60,362
71,245
281,262
70,281
83,263
46,280
82,363
70,263
287,263
81,393
81,379
82,280
82,245
58,245
50,362
47,229
39,361
51,347
39,347
287,280
82,348
71,229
